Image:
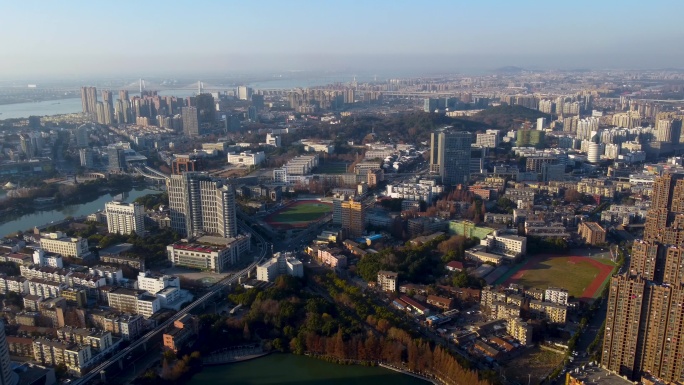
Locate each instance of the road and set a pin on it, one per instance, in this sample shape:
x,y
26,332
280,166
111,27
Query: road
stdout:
x,y
221,285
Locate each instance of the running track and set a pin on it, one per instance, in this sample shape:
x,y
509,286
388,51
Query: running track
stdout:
x,y
604,271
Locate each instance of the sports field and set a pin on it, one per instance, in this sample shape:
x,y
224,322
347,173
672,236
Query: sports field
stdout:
x,y
299,214
583,277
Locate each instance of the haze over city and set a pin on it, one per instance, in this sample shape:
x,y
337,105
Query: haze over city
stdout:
x,y
367,192
213,37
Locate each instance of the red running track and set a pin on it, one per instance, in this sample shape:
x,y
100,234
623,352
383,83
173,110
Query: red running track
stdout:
x,y
604,271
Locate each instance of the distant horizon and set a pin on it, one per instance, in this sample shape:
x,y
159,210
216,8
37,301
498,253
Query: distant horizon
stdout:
x,y
170,38
383,66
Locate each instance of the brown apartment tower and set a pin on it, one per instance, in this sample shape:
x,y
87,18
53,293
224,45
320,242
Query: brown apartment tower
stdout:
x,y
645,319
353,218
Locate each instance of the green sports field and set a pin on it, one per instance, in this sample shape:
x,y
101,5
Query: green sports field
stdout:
x,y
300,213
583,277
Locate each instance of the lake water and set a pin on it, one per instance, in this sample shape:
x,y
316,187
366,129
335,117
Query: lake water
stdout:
x,y
38,218
293,369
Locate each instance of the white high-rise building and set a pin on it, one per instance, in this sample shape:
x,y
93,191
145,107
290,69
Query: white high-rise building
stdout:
x,y
201,205
541,123
244,93
124,218
594,153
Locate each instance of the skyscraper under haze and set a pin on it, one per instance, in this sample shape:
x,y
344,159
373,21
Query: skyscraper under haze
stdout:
x,y
206,108
450,156
108,102
89,101
190,121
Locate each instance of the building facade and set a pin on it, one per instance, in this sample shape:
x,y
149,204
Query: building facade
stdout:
x,y
450,156
201,205
125,218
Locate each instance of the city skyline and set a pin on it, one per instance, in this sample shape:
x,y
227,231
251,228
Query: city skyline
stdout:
x,y
298,36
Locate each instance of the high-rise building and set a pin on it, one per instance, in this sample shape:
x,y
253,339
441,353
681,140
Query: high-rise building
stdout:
x,y
353,217
108,105
81,134
206,108
450,156
541,123
668,130
86,156
117,159
190,121
201,205
7,375
645,315
31,144
244,93
89,101
258,101
430,104
125,218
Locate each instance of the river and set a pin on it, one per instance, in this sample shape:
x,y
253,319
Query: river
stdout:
x,y
73,105
42,217
293,369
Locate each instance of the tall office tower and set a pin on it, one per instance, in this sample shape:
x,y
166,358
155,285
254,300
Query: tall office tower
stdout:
x,y
108,102
258,101
353,217
124,218
86,156
199,204
450,156
89,101
190,121
252,114
7,375
117,159
645,315
206,108
244,93
82,136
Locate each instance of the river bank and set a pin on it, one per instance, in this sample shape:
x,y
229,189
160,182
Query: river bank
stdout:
x,y
291,368
11,223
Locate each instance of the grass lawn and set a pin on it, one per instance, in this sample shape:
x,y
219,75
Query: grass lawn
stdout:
x,y
302,213
332,168
575,275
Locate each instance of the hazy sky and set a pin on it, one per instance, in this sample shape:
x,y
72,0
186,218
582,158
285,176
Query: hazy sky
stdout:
x,y
82,38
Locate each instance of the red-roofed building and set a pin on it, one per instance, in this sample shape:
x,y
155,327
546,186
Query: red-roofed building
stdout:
x,y
415,305
455,266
